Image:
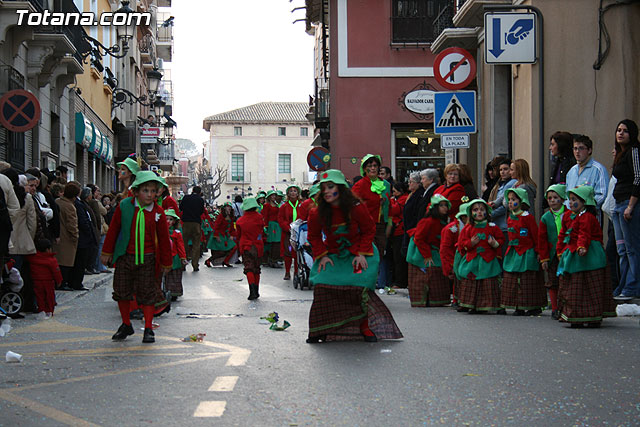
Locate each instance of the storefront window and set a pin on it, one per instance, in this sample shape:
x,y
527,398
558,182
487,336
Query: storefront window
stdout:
x,y
417,149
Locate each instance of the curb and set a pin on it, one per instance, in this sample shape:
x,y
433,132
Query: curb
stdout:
x,y
92,282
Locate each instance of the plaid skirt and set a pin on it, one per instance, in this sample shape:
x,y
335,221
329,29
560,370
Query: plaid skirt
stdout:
x,y
586,296
551,280
251,261
523,291
481,295
430,288
130,279
173,282
337,312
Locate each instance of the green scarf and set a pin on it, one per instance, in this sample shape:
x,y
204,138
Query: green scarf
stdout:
x,y
139,256
295,209
557,216
377,186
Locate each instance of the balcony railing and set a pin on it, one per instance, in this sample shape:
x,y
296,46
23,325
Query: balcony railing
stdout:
x,y
238,177
419,21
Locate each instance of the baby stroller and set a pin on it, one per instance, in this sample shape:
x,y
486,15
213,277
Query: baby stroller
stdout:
x,y
304,255
11,300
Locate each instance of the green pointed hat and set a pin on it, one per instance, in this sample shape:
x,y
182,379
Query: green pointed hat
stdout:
x,y
172,213
250,203
366,158
473,202
586,193
147,176
315,188
520,193
130,164
332,175
463,210
559,189
437,198
261,193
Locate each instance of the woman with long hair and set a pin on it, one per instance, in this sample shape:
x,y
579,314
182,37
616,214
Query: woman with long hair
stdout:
x,y
520,172
561,148
466,180
626,214
345,305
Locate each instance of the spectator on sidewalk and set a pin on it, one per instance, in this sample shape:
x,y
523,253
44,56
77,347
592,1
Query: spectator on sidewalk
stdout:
x,y
192,207
66,248
587,171
45,274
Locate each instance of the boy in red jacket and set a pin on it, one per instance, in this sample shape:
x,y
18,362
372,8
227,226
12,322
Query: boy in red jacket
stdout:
x,y
138,242
249,229
46,276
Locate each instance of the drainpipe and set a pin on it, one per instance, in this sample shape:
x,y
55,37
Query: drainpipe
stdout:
x,y
543,152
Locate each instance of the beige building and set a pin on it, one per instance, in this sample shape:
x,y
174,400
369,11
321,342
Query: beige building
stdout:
x,y
263,146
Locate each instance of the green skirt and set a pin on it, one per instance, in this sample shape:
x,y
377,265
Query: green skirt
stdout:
x,y
571,262
479,267
415,257
224,244
341,272
514,263
274,232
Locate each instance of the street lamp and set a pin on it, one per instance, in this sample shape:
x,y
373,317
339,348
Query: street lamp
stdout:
x,y
124,34
123,96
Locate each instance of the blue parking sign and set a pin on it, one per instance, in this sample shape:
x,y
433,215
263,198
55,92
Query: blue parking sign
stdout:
x,y
455,112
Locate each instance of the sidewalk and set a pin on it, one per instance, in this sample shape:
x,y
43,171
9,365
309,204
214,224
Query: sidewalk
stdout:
x,y
90,282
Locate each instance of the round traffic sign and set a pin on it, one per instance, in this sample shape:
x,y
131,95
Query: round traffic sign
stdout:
x,y
454,68
19,110
318,158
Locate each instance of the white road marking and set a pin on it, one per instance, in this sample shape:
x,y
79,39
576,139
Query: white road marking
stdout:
x,y
212,408
224,383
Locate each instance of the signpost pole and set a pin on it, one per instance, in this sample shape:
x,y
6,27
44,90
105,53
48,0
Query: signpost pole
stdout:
x,y
540,41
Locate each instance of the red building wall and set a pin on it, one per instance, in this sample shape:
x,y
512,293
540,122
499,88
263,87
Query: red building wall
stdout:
x,y
363,109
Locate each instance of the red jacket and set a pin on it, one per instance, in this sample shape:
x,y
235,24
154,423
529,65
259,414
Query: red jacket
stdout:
x,y
427,236
582,229
285,215
305,208
223,227
487,252
448,243
170,203
397,208
524,230
44,268
177,245
249,229
269,213
454,194
372,201
360,234
156,234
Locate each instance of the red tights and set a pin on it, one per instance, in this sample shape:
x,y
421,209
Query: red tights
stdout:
x,y
553,296
125,309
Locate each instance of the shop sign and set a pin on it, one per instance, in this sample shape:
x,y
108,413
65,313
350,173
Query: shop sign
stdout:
x,y
149,135
454,141
105,148
96,144
84,130
420,101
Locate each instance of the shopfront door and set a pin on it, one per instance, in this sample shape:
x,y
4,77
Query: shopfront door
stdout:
x,y
416,149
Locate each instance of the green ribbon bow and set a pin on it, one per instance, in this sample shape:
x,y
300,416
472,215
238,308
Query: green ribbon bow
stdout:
x,y
377,186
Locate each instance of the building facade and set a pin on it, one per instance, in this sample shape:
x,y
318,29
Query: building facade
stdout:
x,y
262,147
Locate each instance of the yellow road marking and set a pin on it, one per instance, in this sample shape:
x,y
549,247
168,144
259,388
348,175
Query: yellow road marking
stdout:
x,y
224,383
53,326
47,411
54,341
90,351
212,408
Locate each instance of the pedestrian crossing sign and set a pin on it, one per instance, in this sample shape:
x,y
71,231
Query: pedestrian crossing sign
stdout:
x,y
455,112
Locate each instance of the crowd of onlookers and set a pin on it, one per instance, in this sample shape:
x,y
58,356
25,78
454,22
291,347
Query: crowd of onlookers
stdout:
x,y
49,214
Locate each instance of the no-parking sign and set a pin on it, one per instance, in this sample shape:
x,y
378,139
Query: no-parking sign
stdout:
x,y
318,158
19,110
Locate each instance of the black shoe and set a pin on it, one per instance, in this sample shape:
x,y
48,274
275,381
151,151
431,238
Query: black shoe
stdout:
x,y
534,312
65,287
316,340
81,288
174,298
253,292
89,272
123,332
518,313
370,338
149,336
462,309
238,262
196,268
502,311
227,265
555,314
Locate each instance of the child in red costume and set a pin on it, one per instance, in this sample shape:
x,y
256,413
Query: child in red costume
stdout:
x,y
137,241
46,276
250,228
449,253
173,279
286,215
273,231
221,240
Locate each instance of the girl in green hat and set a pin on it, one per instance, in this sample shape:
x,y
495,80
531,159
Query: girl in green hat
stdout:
x,y
221,241
449,254
127,170
173,279
273,231
427,285
479,269
345,269
250,230
522,285
585,295
139,245
286,215
550,225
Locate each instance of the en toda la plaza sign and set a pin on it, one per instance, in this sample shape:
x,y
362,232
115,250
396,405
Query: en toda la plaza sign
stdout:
x,y
420,101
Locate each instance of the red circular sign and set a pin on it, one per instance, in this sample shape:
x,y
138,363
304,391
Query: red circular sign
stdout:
x,y
454,68
318,158
19,110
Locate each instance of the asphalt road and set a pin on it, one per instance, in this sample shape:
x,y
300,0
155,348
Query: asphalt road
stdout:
x,y
451,368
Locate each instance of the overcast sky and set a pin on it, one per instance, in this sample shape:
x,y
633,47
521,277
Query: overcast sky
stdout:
x,y
233,53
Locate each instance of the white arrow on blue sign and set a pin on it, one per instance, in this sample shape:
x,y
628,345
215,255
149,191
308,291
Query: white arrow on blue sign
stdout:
x,y
455,112
510,38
